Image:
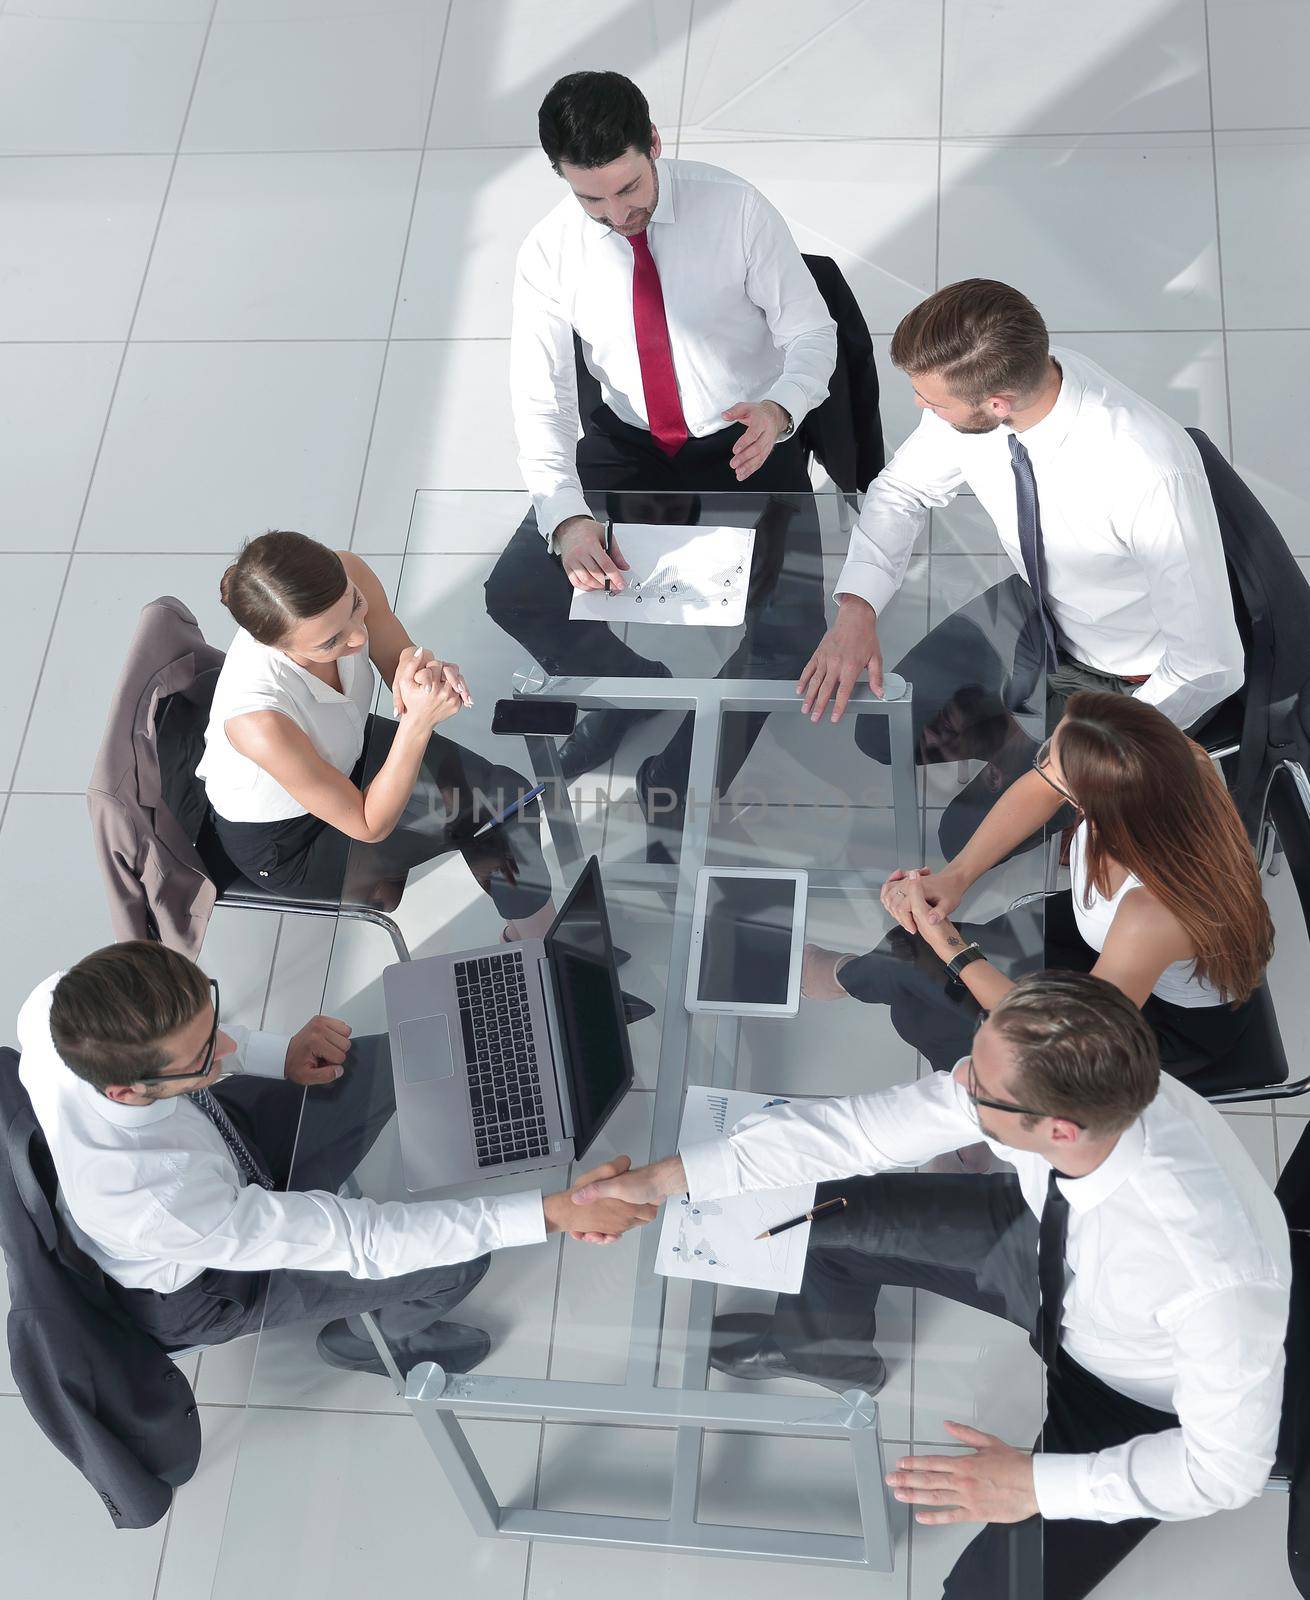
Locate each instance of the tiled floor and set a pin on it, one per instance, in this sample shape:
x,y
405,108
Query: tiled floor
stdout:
x,y
254,270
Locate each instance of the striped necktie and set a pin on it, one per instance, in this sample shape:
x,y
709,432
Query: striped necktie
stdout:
x,y
1030,543
242,1154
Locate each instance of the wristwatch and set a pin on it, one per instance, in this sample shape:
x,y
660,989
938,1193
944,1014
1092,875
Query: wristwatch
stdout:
x,y
961,959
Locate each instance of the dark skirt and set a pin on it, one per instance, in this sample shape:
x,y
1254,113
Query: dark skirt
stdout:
x,y
456,791
937,1015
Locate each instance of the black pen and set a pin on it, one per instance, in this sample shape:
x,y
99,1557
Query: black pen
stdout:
x,y
829,1208
609,540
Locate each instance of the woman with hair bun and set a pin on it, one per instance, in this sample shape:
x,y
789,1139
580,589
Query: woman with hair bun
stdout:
x,y
306,784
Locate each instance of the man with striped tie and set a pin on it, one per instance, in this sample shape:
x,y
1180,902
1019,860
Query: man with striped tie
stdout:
x,y
212,1208
1099,501
703,329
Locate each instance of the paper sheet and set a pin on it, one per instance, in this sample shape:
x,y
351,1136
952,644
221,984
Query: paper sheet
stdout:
x,y
713,1241
677,575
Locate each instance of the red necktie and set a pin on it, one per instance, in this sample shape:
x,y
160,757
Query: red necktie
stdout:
x,y
663,407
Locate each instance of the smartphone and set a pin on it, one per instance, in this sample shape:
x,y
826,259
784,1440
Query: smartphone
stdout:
x,y
552,717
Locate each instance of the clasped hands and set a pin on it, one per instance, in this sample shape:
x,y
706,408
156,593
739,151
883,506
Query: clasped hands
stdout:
x,y
427,688
921,901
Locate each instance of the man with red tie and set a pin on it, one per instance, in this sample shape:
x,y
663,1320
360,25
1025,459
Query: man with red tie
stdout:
x,y
709,341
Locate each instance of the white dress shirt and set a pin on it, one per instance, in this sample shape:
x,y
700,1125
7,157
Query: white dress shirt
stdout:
x,y
1177,1284
257,677
153,1194
746,321
1135,574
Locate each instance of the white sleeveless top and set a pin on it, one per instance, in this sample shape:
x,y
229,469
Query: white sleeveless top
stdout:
x,y
1176,983
256,677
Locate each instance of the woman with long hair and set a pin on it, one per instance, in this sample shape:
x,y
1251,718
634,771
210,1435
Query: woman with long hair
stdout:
x,y
308,787
1165,899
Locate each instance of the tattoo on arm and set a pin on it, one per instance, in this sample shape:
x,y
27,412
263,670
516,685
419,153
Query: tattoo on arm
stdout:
x,y
954,941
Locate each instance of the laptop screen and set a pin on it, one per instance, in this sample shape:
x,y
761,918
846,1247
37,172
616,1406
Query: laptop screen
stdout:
x,y
597,1060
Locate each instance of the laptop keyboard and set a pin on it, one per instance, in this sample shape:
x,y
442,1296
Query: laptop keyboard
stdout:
x,y
509,1123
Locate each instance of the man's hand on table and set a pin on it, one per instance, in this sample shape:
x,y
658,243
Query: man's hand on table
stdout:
x,y
580,545
317,1054
993,1483
849,648
606,1219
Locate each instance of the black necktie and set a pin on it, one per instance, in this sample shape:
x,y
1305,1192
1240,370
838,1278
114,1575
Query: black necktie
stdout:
x,y
242,1154
1051,1240
1030,542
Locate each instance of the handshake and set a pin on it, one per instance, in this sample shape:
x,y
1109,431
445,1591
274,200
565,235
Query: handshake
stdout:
x,y
609,1200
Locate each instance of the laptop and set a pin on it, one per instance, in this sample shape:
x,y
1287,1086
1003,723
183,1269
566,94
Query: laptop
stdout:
x,y
511,1058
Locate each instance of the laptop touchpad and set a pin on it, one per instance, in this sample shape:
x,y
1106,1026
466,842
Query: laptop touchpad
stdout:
x,y
425,1052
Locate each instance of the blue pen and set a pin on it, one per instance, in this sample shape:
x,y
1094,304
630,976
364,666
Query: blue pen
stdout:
x,y
514,805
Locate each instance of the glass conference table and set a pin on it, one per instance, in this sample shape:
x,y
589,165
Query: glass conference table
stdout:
x,y
596,1355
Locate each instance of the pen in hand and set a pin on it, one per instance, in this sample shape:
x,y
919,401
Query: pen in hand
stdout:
x,y
829,1208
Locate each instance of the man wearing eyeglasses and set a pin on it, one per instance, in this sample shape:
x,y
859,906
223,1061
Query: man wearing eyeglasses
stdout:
x,y
212,1206
1135,1241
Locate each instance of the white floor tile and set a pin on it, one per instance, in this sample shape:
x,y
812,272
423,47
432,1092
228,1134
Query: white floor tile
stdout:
x,y
502,56
33,582
1257,1135
346,79
327,1506
443,422
114,10
1234,1552
1103,232
49,868
761,1481
280,247
561,1570
973,1368
195,1529
488,200
294,416
47,1507
1264,203
869,205
53,402
1256,51
593,1323
456,521
900,415
766,69
1182,373
1266,375
76,237
1033,66
94,87
96,619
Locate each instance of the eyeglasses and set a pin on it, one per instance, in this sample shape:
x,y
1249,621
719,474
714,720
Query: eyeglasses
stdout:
x,y
203,1072
976,1100
1040,761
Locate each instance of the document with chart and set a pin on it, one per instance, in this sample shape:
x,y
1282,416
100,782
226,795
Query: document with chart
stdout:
x,y
714,1241
677,575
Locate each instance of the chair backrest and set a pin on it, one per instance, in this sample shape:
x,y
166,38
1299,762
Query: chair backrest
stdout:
x,y
1271,600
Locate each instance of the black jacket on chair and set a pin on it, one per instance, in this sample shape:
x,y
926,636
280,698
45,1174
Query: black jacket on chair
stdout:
x,y
101,1390
1294,1439
1270,713
845,432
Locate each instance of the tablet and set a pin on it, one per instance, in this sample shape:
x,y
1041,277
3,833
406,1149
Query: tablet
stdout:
x,y
747,941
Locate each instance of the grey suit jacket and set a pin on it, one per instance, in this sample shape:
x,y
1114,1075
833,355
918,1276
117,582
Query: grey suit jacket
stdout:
x,y
157,884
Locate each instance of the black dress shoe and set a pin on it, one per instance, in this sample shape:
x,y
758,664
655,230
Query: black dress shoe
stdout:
x,y
595,739
663,826
451,1345
599,734
742,1347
